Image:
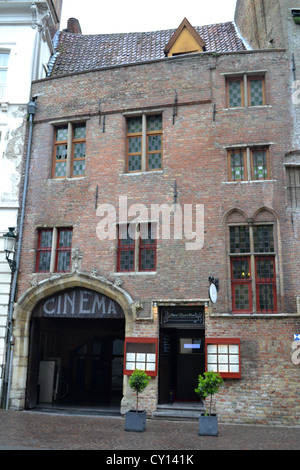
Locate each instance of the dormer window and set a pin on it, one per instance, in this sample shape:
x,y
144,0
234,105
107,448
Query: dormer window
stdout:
x,y
185,40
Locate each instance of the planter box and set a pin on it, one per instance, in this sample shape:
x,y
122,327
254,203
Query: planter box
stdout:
x,y
135,421
208,425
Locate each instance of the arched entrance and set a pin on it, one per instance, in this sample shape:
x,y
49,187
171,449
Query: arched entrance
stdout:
x,y
77,323
76,350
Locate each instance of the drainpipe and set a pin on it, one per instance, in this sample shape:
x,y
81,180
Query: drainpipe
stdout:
x,y
31,108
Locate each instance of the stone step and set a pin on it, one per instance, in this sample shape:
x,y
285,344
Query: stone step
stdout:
x,y
179,411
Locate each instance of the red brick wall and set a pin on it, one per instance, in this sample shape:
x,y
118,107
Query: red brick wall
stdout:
x,y
194,155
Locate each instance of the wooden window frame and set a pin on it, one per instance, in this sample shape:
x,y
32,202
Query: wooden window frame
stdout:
x,y
248,159
245,79
271,282
144,135
138,245
70,143
144,246
293,185
247,281
229,153
229,342
124,248
241,81
40,249
257,149
62,249
256,77
53,249
253,280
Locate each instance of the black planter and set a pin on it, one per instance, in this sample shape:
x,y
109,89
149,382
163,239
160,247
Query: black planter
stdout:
x,y
208,425
135,421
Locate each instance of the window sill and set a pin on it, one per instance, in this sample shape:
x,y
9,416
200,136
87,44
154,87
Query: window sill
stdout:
x,y
263,106
134,273
136,173
250,181
255,315
77,178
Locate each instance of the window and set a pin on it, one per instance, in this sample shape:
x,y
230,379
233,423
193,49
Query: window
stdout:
x,y
144,143
4,56
293,186
252,262
69,151
54,250
249,163
136,251
223,356
245,90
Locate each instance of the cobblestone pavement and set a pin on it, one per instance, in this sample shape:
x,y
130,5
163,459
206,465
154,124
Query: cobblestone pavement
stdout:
x,y
31,430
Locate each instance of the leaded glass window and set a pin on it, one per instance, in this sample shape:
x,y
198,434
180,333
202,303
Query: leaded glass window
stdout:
x,y
147,248
260,284
44,250
263,238
256,92
245,90
126,250
61,152
293,186
235,90
136,248
260,164
70,147
239,239
144,143
237,165
50,257
63,250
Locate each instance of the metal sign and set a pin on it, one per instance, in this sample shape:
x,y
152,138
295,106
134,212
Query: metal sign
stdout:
x,y
182,315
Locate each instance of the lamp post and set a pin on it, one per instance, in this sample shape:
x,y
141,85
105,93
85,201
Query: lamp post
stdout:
x,y
9,247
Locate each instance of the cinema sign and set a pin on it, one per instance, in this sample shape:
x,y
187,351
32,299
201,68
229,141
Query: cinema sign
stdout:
x,y
79,303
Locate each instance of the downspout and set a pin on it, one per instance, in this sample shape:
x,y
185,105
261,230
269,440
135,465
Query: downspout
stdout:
x,y
31,108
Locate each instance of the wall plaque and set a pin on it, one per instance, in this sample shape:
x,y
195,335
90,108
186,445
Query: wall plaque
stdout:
x,y
78,303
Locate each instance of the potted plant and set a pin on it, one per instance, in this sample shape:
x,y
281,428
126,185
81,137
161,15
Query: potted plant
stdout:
x,y
135,420
208,384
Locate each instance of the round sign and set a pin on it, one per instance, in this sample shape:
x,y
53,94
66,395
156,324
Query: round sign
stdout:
x,y
213,293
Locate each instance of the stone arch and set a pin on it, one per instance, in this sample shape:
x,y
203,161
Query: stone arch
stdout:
x,y
235,215
28,301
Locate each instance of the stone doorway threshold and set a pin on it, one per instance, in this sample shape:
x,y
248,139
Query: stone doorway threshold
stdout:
x,y
179,410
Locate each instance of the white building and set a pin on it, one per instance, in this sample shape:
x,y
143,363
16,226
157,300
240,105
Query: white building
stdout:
x,y
26,32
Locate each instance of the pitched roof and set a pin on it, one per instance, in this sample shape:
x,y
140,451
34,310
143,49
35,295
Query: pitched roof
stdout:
x,y
79,53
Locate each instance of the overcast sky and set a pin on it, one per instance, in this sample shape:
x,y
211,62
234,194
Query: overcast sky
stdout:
x,y
124,16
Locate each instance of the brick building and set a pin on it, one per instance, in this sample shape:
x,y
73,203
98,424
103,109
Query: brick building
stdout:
x,y
158,233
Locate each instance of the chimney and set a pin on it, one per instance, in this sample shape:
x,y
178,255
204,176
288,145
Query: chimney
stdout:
x,y
73,26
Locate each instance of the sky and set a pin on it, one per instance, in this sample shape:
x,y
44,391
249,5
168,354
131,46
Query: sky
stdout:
x,y
125,16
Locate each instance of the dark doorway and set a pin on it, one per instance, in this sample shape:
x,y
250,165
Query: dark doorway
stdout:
x,y
182,359
75,361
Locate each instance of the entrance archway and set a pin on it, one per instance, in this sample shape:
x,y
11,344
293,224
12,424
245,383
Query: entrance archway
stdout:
x,y
76,350
47,314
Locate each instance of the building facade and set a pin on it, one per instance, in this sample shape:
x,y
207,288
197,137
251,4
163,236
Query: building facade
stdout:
x,y
26,32
157,232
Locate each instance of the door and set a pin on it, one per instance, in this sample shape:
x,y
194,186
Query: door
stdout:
x,y
181,361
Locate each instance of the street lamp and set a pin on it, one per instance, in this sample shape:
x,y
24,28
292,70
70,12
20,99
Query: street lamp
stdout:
x,y
9,247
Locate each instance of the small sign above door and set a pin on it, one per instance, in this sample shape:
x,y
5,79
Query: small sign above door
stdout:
x,y
185,315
